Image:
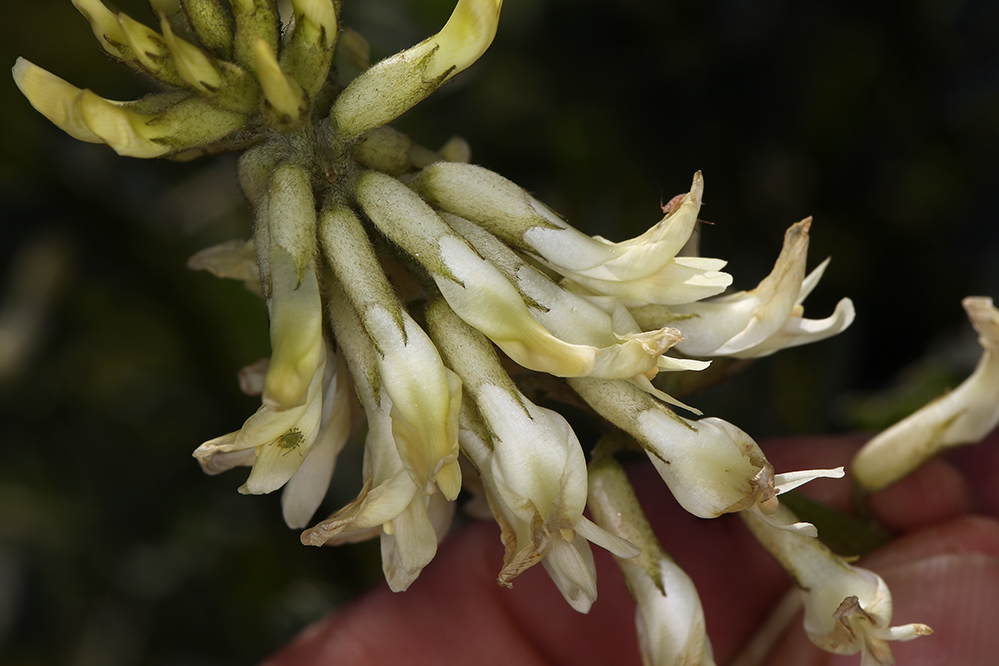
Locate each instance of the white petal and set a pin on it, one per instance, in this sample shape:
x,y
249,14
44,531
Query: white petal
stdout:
x,y
571,567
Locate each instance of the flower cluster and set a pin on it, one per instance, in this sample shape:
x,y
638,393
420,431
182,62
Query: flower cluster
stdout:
x,y
329,182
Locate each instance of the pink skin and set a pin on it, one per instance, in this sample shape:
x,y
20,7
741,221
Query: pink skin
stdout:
x,y
943,570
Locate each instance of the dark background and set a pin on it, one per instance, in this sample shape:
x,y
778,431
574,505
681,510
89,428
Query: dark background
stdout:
x,y
879,119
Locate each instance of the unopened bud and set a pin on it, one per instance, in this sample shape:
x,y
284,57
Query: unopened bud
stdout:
x,y
396,84
285,104
149,50
309,52
54,98
255,19
212,23
105,26
193,65
118,127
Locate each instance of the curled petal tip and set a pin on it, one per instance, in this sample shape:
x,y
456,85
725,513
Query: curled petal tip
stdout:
x,y
281,92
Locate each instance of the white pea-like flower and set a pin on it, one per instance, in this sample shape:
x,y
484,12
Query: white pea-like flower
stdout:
x,y
531,466
595,321
425,395
644,269
484,298
669,618
274,441
758,322
848,609
391,505
304,492
711,466
962,416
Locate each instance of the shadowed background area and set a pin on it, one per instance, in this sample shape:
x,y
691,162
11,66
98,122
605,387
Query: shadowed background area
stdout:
x,y
882,123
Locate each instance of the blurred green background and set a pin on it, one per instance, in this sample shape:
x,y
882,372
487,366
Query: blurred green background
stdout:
x,y
879,119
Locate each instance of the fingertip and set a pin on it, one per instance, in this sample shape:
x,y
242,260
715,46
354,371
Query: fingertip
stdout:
x,y
934,493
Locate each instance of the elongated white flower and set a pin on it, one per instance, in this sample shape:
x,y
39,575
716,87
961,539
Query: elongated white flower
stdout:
x,y
668,616
710,466
531,464
425,395
847,609
759,322
601,322
486,300
296,311
390,505
641,270
305,491
278,439
963,416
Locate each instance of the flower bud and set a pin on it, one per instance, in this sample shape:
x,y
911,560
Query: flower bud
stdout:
x,y
104,23
296,332
295,306
962,416
254,19
54,98
309,52
285,105
127,132
149,51
669,618
212,23
394,85
195,67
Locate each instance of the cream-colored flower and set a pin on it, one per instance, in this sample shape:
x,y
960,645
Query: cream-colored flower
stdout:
x,y
304,492
668,616
279,440
390,505
484,298
711,466
425,395
641,270
759,322
847,609
285,234
531,465
601,322
963,416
